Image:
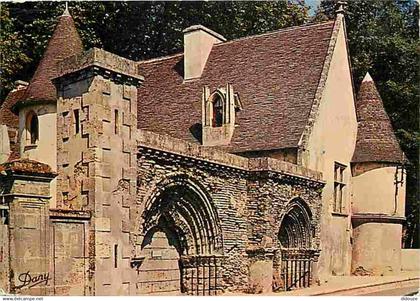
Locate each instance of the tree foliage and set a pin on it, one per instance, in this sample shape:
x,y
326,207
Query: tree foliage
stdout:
x,y
12,59
383,37
141,30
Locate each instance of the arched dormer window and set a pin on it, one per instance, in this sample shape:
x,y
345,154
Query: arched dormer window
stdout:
x,y
218,115
217,111
32,128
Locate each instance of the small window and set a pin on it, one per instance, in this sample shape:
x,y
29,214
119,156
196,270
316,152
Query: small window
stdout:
x,y
115,256
76,121
339,186
32,128
117,121
217,111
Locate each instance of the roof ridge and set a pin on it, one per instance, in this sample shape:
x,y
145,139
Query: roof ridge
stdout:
x,y
280,30
285,29
160,58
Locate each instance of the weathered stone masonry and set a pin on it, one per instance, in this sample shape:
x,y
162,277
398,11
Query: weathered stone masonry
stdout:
x,y
247,198
97,162
142,213
250,197
99,201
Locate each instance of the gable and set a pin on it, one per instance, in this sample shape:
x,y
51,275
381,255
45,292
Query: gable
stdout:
x,y
332,136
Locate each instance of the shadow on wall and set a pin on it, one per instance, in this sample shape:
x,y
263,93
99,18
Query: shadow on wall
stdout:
x,y
197,132
179,67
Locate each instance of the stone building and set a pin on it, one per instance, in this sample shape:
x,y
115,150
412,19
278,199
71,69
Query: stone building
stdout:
x,y
245,166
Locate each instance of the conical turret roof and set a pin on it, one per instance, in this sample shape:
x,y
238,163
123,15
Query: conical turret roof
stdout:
x,y
376,141
64,43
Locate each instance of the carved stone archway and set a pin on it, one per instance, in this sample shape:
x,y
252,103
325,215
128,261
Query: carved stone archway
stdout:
x,y
295,238
296,228
181,221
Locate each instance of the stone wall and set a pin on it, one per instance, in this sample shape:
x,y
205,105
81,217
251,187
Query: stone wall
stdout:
x,y
25,252
410,259
141,213
330,138
4,143
44,150
378,207
97,118
250,197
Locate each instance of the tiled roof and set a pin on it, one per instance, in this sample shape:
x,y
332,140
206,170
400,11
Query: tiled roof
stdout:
x,y
7,117
64,42
26,166
276,75
376,141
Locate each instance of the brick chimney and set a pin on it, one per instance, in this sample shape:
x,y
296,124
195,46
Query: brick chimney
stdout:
x,y
198,41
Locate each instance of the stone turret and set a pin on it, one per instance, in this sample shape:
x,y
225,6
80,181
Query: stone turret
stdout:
x,y
37,107
378,188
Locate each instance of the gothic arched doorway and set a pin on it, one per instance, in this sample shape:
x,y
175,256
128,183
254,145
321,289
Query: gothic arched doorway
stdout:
x,y
295,238
182,241
295,228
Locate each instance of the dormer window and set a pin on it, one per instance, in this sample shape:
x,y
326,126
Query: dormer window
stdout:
x,y
218,115
217,111
32,128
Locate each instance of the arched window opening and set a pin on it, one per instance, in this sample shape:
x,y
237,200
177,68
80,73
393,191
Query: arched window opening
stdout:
x,y
217,111
32,128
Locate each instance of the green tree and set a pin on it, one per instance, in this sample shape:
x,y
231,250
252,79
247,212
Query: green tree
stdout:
x,y
383,37
141,30
12,59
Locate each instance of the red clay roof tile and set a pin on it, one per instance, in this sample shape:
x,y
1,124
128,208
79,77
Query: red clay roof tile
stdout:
x,y
64,43
376,141
7,117
276,75
27,166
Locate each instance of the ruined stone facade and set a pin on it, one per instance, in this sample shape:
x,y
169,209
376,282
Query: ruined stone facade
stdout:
x,y
98,203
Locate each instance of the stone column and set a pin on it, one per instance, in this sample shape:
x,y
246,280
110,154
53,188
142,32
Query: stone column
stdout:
x,y
25,191
260,270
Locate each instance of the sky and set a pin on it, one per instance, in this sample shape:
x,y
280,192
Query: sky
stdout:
x,y
313,4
